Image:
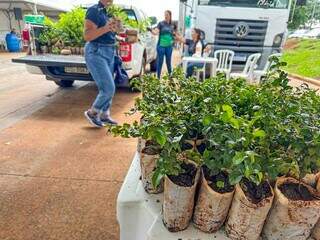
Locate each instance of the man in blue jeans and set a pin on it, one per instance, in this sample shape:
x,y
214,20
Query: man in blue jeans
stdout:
x,y
99,55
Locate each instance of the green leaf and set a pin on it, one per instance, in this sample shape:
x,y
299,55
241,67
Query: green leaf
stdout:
x,y
177,139
159,135
228,109
238,158
235,123
235,178
207,100
248,172
156,178
260,176
256,108
258,133
207,120
225,117
220,184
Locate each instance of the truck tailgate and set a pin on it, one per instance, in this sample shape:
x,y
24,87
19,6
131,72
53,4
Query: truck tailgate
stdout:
x,y
52,60
57,67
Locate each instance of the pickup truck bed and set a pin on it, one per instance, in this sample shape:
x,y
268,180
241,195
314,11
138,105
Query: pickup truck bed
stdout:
x,y
63,70
52,60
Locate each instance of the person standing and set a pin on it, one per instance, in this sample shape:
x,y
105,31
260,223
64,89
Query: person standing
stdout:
x,y
100,35
166,31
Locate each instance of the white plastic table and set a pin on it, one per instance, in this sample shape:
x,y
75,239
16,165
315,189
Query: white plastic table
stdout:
x,y
206,60
139,214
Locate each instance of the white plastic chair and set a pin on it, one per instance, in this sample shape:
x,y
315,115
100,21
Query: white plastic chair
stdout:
x,y
202,70
258,74
225,60
248,71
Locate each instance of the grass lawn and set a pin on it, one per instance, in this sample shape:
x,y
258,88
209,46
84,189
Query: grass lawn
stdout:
x,y
303,57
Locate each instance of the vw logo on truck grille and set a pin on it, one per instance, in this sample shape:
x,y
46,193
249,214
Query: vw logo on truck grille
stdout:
x,y
241,30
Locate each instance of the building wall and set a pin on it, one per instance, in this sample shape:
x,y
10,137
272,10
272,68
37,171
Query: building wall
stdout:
x,y
4,21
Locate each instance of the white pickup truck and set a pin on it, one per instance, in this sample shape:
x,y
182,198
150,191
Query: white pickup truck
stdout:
x,y
64,70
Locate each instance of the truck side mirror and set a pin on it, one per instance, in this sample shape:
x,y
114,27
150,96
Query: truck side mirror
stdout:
x,y
301,2
153,20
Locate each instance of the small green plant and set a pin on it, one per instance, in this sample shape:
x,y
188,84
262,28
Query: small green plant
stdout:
x,y
71,24
251,133
68,30
117,12
50,33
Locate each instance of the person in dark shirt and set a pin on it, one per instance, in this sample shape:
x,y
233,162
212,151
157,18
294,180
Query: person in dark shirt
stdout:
x,y
195,48
165,30
100,35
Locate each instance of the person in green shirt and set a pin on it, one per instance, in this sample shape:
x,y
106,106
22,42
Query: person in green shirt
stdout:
x,y
165,30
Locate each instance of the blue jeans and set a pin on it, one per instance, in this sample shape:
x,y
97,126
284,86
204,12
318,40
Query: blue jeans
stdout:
x,y
100,63
191,67
164,52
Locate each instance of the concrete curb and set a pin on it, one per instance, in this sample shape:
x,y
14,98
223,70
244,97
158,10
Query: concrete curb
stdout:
x,y
305,79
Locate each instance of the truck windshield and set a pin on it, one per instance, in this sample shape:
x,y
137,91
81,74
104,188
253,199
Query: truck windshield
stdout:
x,y
248,3
130,13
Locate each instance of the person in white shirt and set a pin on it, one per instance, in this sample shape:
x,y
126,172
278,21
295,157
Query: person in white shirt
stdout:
x,y
195,47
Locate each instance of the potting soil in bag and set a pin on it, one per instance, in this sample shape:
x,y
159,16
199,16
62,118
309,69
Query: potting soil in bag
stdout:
x,y
212,207
295,212
141,145
247,216
179,194
148,163
311,179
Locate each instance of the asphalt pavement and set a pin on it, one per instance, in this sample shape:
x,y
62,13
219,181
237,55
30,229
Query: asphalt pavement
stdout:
x,y
59,177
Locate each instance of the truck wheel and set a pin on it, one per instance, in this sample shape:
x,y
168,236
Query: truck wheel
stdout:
x,y
64,83
153,66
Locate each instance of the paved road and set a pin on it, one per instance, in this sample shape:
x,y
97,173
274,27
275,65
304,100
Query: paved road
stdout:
x,y
20,92
59,178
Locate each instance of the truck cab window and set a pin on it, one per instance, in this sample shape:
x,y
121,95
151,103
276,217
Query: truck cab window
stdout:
x,y
283,4
131,14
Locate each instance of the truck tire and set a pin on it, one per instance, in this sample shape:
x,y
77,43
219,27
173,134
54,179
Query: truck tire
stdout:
x,y
64,83
153,66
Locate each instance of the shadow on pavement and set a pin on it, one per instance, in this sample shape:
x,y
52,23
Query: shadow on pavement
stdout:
x,y
59,177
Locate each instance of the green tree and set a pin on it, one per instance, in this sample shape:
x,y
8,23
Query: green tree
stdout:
x,y
304,15
299,19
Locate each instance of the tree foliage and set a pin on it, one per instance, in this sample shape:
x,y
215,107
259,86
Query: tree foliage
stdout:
x,y
303,16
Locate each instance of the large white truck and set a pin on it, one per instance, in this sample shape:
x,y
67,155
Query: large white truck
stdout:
x,y
244,26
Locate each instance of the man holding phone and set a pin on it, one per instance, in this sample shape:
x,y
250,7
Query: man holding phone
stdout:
x,y
100,35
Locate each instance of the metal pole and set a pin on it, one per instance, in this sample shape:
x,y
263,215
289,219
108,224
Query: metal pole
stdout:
x,y
313,13
35,9
294,9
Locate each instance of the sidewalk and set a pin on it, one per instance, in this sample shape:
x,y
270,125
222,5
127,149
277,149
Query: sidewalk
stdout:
x,y
59,178
297,80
